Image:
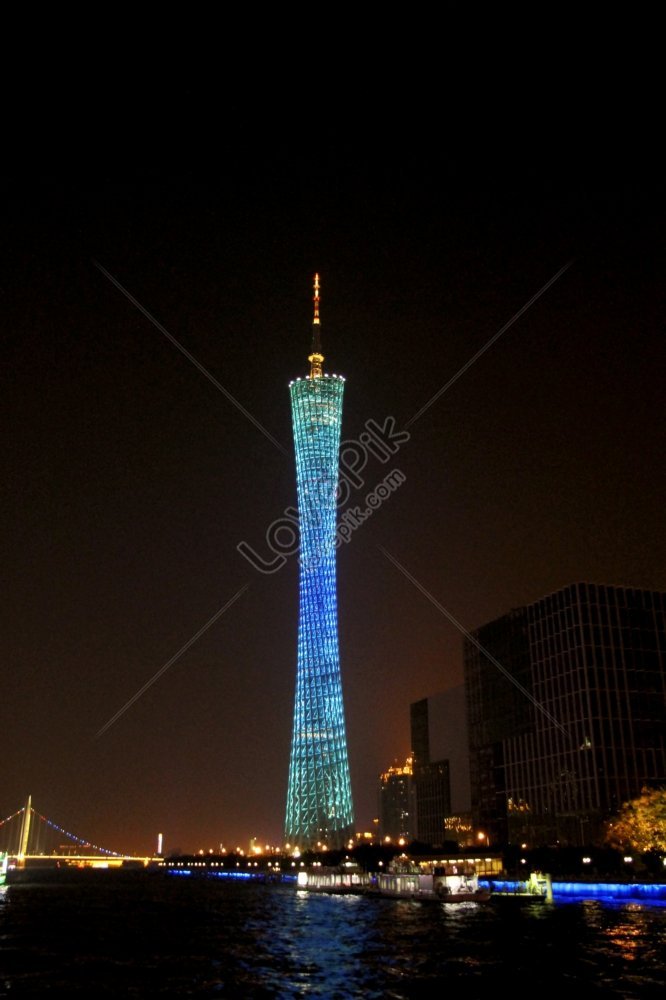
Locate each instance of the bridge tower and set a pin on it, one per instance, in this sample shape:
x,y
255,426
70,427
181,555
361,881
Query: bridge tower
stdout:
x,y
25,830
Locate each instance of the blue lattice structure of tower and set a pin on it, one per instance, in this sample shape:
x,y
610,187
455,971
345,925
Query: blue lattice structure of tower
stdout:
x,y
319,798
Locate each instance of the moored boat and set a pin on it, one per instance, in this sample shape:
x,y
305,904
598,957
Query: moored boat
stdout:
x,y
343,879
450,883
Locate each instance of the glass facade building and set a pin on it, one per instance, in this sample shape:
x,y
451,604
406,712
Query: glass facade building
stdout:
x,y
319,798
581,726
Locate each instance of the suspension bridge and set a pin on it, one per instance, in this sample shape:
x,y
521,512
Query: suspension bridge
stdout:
x,y
28,839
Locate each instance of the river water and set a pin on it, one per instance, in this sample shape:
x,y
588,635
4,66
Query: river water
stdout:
x,y
164,936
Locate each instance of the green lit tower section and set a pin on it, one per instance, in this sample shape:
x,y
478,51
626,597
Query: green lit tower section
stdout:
x,y
319,799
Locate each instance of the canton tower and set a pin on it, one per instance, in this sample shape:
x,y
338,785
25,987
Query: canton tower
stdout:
x,y
319,800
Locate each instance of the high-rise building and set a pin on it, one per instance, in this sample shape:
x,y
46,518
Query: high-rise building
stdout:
x,y
319,798
443,718
397,802
566,712
431,779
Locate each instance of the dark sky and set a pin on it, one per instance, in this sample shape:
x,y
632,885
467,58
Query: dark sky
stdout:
x,y
130,478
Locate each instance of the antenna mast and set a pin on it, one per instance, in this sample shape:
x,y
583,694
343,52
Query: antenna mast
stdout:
x,y
316,358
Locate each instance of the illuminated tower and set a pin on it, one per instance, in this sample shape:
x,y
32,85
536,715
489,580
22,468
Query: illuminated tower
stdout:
x,y
319,801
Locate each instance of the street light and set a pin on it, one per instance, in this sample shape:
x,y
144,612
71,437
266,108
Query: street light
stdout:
x,y
483,836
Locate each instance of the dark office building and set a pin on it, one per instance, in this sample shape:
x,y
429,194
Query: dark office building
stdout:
x,y
431,779
566,706
447,739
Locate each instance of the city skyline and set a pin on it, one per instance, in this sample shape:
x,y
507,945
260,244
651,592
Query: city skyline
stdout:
x,y
131,478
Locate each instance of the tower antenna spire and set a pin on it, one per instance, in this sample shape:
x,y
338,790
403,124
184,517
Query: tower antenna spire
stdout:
x,y
316,358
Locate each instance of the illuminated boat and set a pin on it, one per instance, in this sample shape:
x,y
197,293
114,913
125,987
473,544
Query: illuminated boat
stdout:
x,y
4,864
449,883
343,879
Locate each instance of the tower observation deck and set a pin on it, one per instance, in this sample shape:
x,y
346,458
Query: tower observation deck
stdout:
x,y
319,799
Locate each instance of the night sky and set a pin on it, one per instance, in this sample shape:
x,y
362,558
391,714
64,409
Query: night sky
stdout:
x,y
130,477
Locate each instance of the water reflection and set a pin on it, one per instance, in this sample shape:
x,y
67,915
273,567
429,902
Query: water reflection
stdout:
x,y
200,937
